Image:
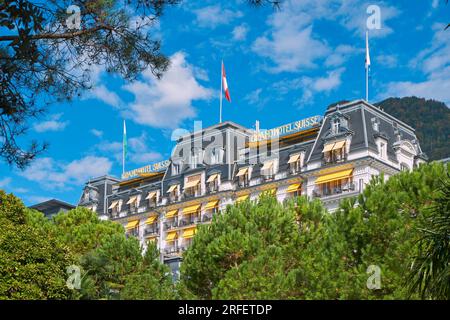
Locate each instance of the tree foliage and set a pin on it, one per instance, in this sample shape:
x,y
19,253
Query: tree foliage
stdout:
x,y
32,265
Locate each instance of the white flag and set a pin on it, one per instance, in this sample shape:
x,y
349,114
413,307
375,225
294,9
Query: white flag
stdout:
x,y
367,51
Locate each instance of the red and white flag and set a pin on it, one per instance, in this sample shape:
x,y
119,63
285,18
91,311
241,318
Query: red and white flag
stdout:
x,y
225,84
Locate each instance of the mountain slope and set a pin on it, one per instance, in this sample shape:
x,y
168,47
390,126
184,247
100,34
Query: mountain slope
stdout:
x,y
430,118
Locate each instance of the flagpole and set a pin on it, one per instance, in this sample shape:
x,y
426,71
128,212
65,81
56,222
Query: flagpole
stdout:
x,y
221,85
367,65
123,147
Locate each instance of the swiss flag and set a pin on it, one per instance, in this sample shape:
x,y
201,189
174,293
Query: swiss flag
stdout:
x,y
225,84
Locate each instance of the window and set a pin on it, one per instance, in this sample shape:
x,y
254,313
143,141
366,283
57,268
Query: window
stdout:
x,y
382,150
376,124
213,182
335,126
243,176
296,162
404,167
216,156
175,169
268,169
192,186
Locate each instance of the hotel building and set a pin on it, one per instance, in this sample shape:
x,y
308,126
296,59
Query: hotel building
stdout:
x,y
329,158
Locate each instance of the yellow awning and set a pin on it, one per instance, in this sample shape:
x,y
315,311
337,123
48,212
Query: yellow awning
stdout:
x,y
189,233
328,147
151,195
131,224
212,204
212,177
338,145
242,198
171,236
191,209
267,165
151,238
172,188
113,204
151,220
171,213
132,199
293,187
191,184
335,176
271,191
294,158
242,172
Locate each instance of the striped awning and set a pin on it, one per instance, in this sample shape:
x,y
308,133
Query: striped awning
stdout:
x,y
294,158
189,233
191,184
344,174
132,224
132,199
151,195
242,172
293,187
113,204
171,213
212,177
212,204
328,147
172,188
191,209
151,220
339,145
267,165
171,236
242,198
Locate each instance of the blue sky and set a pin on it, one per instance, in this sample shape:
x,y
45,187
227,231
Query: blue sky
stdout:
x,y
282,66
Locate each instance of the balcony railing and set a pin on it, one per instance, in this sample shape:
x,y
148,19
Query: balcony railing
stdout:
x,y
133,232
153,229
334,160
173,199
174,250
206,217
171,224
188,221
319,193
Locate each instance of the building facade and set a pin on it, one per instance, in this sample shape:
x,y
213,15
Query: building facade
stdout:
x,y
329,158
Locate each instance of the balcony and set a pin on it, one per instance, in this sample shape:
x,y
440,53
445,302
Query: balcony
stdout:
x,y
171,224
151,229
333,160
188,221
173,250
326,192
132,233
207,217
173,199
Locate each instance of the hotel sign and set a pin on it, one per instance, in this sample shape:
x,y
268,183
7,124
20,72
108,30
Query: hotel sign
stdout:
x,y
155,167
286,129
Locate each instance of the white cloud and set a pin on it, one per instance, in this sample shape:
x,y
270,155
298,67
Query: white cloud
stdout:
x,y
387,60
215,15
341,54
434,62
310,86
165,103
97,133
240,32
138,150
54,175
253,97
290,44
102,93
5,182
53,124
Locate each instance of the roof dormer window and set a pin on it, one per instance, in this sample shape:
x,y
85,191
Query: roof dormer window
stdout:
x,y
335,126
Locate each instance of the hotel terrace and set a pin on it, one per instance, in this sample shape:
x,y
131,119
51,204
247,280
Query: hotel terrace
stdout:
x,y
329,158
